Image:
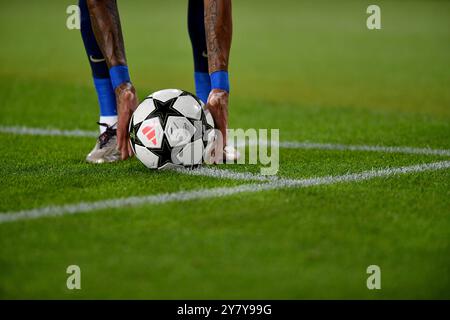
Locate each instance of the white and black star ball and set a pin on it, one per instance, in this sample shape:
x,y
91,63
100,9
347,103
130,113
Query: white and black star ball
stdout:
x,y
170,128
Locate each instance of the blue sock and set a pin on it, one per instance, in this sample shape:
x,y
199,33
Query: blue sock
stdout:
x,y
106,97
202,85
107,102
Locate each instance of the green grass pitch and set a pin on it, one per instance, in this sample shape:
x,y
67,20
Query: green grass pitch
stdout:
x,y
311,69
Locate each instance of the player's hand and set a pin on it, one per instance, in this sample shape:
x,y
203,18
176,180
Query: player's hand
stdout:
x,y
218,106
127,102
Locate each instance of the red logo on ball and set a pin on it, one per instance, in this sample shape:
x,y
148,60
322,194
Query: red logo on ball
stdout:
x,y
149,132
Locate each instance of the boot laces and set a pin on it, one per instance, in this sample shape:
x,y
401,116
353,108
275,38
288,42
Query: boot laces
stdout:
x,y
107,135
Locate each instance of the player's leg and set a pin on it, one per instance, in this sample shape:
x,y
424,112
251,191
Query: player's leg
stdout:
x,y
105,149
196,28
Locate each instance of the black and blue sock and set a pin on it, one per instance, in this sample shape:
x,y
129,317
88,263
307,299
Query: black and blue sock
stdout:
x,y
196,28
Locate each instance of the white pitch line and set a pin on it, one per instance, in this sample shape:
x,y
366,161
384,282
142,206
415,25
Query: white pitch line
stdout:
x,y
48,132
227,174
76,208
342,147
284,144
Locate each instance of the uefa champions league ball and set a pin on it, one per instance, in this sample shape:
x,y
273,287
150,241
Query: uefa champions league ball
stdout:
x,y
171,128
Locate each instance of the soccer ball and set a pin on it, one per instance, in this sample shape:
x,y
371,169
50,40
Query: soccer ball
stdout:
x,y
170,128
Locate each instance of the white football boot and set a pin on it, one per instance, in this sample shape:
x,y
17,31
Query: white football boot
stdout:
x,y
105,149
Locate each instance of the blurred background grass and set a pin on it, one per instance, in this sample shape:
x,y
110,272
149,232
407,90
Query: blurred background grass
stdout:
x,y
316,53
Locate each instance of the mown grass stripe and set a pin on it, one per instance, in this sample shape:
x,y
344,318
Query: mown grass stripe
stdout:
x,y
76,208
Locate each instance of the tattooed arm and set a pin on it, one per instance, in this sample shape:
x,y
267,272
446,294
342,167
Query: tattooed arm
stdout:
x,y
107,29
218,27
108,33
